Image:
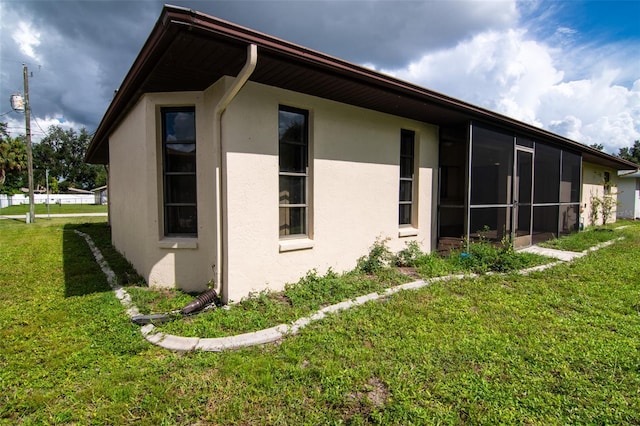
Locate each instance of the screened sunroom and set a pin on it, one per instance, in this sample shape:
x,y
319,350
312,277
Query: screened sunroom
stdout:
x,y
502,186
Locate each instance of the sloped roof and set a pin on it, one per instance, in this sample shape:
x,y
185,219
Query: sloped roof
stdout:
x,y
629,174
189,51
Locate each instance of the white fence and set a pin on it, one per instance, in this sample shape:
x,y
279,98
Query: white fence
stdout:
x,y
15,200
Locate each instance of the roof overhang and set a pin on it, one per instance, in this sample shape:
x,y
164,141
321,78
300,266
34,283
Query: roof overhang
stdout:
x,y
190,51
629,174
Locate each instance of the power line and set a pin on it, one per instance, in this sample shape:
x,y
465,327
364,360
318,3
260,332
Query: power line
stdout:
x,y
38,124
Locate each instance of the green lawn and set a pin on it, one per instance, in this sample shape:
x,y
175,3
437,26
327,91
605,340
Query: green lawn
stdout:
x,y
582,240
374,273
41,209
556,347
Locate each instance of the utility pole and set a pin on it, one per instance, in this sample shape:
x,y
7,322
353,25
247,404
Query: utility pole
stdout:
x,y
27,120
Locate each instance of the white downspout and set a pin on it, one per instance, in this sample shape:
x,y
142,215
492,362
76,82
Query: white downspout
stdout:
x,y
229,95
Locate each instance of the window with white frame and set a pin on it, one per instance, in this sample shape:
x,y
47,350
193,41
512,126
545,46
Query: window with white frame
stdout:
x,y
179,171
407,154
293,150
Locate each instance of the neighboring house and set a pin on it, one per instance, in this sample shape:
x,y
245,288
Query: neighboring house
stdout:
x,y
257,160
628,194
73,190
599,190
100,195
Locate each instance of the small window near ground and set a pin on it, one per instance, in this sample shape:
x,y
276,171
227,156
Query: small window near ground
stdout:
x,y
179,171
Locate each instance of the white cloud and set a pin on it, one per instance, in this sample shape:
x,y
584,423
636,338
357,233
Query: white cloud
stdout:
x,y
566,31
39,126
548,74
525,79
608,114
64,77
501,71
27,39
570,126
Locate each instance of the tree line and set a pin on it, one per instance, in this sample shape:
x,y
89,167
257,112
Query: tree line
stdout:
x,y
61,152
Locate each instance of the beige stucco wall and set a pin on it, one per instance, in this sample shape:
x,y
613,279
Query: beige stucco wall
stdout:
x,y
135,185
127,175
354,178
354,181
593,187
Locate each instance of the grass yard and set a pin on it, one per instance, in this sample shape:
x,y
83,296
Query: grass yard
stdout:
x,y
582,240
375,272
557,347
41,209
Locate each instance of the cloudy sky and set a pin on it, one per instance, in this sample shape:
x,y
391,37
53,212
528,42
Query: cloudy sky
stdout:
x,y
572,67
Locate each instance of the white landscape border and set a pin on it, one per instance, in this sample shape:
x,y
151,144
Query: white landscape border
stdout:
x,y
269,335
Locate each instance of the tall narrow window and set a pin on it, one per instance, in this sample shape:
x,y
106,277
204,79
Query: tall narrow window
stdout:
x,y
294,168
407,150
179,171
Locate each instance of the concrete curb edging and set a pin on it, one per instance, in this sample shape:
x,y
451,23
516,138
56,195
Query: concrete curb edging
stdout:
x,y
272,334
269,335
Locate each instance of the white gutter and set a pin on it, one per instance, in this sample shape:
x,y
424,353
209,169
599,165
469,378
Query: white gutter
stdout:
x,y
629,173
227,98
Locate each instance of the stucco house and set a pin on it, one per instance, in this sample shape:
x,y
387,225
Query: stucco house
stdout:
x,y
628,194
100,194
258,160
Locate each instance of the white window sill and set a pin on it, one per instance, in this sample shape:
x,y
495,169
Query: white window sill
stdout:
x,y
296,244
407,232
178,243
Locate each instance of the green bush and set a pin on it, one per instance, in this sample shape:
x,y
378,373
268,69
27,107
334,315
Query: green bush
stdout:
x,y
312,290
410,255
379,258
481,257
478,257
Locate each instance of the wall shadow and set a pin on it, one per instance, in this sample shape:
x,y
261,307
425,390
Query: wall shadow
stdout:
x,y
82,274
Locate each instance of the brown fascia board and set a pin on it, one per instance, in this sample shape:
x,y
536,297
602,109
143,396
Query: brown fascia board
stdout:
x,y
299,53
596,156
174,18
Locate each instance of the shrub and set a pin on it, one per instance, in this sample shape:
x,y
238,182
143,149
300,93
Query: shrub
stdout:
x,y
410,255
482,257
433,265
312,289
595,207
379,257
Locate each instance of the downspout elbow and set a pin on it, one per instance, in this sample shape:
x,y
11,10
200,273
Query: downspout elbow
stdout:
x,y
241,79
